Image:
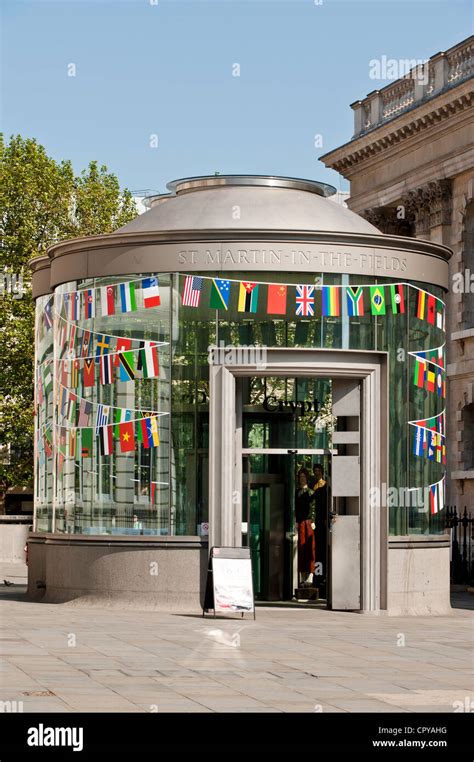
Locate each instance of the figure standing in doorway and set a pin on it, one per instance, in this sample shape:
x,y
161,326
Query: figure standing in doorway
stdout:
x,y
304,514
320,491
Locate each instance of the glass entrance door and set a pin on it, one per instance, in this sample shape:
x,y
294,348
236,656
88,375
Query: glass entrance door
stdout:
x,y
269,523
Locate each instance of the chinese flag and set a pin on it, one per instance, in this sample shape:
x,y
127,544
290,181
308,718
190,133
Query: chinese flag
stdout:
x,y
127,438
123,345
276,301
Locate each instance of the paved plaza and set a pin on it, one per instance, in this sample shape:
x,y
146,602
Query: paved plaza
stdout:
x,y
71,658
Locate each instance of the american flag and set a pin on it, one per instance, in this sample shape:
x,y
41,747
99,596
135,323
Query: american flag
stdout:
x,y
305,301
85,409
192,291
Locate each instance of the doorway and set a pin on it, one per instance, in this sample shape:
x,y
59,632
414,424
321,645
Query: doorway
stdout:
x,y
269,528
357,566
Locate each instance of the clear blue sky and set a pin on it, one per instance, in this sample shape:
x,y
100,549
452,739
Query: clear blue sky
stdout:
x,y
166,69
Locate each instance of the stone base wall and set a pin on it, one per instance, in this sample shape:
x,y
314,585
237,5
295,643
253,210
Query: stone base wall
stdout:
x,y
418,579
158,575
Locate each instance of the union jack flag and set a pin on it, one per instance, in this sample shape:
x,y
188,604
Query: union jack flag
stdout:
x,y
305,301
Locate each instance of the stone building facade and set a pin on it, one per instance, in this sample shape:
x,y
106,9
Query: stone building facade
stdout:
x,y
410,164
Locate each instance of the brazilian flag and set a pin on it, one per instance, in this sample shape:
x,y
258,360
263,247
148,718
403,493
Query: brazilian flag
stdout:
x,y
377,300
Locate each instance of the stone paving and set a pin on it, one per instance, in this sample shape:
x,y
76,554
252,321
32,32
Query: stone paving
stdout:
x,y
68,658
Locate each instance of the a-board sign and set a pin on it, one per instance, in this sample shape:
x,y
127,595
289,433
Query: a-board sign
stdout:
x,y
229,586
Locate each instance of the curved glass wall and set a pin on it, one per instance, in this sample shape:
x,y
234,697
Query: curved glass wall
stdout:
x,y
98,486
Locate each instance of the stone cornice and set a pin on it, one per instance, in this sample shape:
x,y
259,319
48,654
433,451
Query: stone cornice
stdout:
x,y
146,238
409,124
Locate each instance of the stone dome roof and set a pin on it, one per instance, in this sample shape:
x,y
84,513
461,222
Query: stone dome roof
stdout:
x,y
250,202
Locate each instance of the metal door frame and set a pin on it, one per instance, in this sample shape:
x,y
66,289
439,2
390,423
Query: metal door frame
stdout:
x,y
225,444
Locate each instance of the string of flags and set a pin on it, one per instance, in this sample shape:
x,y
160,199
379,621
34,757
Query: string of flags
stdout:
x,y
436,495
131,295
305,295
429,438
108,300
429,370
78,441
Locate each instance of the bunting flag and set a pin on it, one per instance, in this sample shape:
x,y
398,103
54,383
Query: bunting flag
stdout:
x,y
126,366
63,398
192,290
102,346
220,292
39,387
355,301
48,442
74,379
331,302
430,378
437,497
305,300
397,299
71,408
149,432
127,297
106,373
65,307
248,297
440,316
85,409
419,441
74,306
151,292
47,315
107,300
377,300
440,383
106,442
141,345
430,306
89,303
276,299
102,417
72,340
149,360
420,373
127,437
86,443
72,443
122,415
85,343
426,306
123,345
47,378
88,372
